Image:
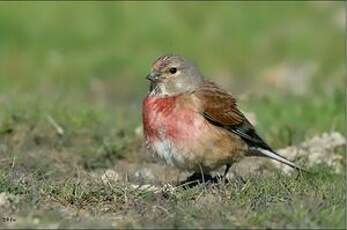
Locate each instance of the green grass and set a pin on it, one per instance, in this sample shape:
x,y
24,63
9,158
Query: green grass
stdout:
x,y
83,64
310,202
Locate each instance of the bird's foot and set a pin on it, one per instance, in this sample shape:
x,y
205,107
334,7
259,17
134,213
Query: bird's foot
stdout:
x,y
196,179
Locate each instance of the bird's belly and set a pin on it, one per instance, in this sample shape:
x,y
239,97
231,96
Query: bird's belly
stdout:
x,y
193,155
176,139
190,144
182,137
168,152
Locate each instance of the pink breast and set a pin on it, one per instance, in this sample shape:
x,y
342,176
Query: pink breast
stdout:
x,y
168,117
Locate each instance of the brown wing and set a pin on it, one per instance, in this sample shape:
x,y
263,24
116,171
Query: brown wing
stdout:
x,y
220,109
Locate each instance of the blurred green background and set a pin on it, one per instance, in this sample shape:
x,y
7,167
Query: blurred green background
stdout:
x,y
82,60
83,66
99,53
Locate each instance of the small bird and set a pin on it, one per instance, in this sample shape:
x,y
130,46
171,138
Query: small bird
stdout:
x,y
192,124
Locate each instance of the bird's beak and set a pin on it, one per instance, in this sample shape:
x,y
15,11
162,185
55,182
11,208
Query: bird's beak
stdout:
x,y
153,76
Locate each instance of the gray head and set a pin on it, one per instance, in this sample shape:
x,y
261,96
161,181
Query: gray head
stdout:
x,y
172,75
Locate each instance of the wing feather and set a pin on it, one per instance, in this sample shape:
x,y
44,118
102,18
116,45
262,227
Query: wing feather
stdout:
x,y
220,109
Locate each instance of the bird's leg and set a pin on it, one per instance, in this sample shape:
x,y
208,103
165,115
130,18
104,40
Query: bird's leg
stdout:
x,y
196,179
199,177
202,174
226,170
191,181
223,178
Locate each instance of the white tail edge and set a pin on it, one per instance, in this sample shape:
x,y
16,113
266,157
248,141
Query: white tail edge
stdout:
x,y
279,158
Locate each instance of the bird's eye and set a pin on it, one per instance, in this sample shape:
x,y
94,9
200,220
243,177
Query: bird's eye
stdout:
x,y
173,70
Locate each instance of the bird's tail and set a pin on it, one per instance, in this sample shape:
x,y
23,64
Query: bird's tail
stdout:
x,y
275,156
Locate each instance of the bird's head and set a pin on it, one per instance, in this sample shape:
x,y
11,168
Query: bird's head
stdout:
x,y
172,75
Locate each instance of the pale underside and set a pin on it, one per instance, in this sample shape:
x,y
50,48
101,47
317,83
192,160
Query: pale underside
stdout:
x,y
185,139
